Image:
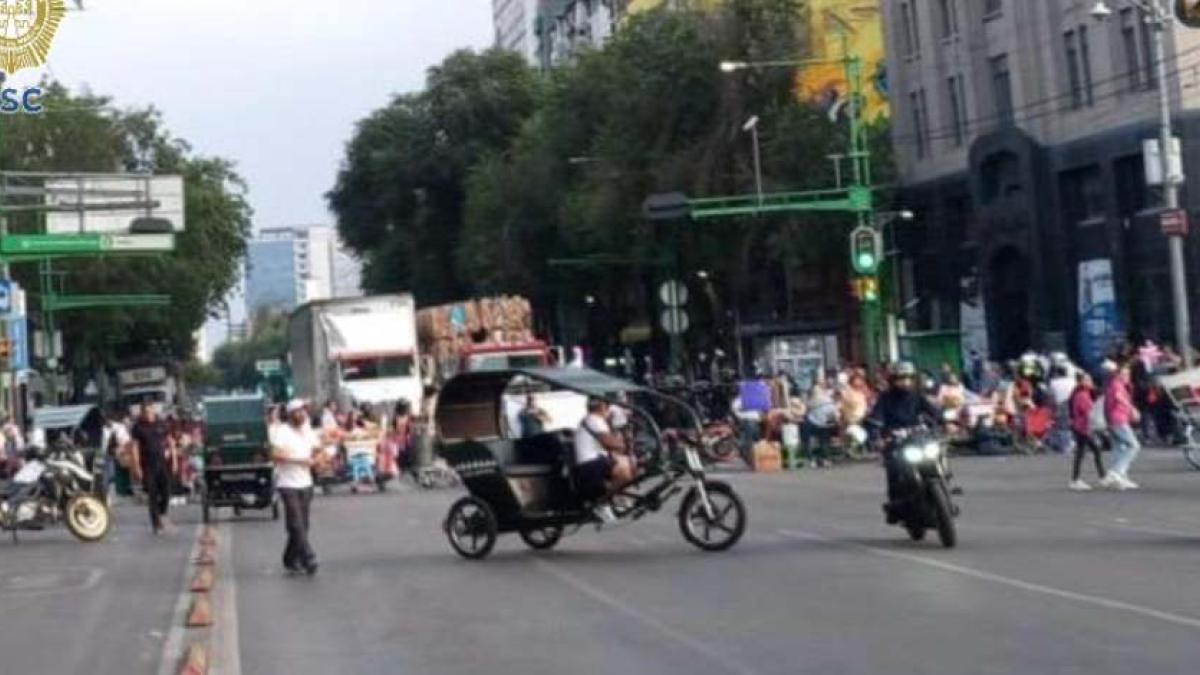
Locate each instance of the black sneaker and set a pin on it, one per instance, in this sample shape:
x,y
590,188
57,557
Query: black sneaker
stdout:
x,y
310,568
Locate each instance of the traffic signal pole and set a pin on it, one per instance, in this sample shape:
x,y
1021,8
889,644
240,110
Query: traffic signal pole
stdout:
x,y
857,198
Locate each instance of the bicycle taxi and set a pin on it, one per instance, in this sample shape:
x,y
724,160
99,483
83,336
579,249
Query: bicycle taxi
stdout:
x,y
526,485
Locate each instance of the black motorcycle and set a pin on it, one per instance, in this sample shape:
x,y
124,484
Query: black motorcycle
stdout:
x,y
923,490
56,486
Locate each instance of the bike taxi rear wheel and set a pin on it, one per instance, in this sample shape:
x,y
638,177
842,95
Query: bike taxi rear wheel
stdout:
x,y
724,528
471,528
1191,452
541,538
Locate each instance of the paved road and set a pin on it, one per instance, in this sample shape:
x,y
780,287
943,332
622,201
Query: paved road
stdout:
x,y
67,607
1044,581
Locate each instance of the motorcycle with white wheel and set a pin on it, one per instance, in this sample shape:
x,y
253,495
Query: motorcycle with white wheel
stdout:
x,y
922,499
55,486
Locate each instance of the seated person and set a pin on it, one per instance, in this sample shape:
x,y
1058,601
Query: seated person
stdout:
x,y
601,465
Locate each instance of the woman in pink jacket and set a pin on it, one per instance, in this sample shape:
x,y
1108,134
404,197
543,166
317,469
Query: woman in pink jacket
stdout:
x,y
1121,415
1079,407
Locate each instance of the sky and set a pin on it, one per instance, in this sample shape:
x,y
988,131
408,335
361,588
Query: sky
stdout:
x,y
276,86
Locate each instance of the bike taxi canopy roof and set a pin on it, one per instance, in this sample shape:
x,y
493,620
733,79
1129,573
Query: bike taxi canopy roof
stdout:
x,y
470,404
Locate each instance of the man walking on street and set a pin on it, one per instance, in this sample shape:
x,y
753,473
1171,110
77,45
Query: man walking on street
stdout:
x,y
292,448
150,437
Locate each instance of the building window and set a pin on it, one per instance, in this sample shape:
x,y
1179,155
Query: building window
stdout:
x,y
1129,45
1073,78
911,32
992,7
1002,88
955,94
920,117
1085,59
949,17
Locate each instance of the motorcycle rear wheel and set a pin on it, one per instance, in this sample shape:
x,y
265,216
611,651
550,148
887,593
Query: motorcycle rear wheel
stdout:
x,y
87,518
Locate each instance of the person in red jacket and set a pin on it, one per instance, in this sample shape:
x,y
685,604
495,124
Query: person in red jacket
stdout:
x,y
1079,408
1121,415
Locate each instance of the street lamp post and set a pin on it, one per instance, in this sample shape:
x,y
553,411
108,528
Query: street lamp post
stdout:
x,y
1158,16
751,125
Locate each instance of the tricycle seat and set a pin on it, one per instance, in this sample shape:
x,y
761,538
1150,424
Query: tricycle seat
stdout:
x,y
526,470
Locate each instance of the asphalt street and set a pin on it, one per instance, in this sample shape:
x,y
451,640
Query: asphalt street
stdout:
x,y
1043,581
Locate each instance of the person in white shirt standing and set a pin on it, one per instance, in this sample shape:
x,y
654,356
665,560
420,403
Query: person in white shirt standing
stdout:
x,y
292,450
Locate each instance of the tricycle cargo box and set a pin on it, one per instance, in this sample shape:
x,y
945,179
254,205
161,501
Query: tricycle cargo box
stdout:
x,y
235,422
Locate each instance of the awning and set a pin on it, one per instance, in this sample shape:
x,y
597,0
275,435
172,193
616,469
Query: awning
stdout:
x,y
366,334
66,417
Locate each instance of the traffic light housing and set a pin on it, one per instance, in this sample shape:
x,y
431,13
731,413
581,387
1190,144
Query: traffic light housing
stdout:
x,y
866,250
870,289
865,289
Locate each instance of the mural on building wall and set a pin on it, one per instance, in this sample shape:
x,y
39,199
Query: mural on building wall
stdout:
x,y
832,27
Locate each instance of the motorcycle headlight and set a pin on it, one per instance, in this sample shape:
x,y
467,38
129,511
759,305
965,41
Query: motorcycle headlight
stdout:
x,y
932,450
913,454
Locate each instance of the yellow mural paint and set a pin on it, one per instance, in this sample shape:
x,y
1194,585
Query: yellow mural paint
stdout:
x,y
823,26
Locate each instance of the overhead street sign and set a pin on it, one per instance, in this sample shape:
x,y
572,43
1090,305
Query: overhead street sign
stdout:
x,y
137,242
84,244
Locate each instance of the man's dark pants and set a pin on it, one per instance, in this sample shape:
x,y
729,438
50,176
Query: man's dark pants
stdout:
x,y
157,483
296,504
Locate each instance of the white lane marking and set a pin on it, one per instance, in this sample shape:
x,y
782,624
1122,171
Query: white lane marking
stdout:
x,y
1083,598
172,651
694,644
50,582
1123,525
226,650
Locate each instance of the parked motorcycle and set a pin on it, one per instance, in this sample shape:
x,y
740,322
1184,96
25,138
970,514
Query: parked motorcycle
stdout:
x,y
923,492
56,486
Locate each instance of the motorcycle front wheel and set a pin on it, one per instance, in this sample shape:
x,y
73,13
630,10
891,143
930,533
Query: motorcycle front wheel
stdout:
x,y
87,518
947,532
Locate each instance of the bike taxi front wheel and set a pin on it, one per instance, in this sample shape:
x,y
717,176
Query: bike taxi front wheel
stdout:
x,y
471,528
720,530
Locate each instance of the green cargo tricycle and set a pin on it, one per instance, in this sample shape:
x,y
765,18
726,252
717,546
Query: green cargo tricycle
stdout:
x,y
238,472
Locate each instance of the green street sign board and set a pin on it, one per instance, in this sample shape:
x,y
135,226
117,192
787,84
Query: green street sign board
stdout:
x,y
50,244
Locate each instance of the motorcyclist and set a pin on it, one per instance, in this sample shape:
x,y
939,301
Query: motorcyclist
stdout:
x,y
901,406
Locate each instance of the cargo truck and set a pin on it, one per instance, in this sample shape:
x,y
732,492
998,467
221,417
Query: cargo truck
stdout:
x,y
356,350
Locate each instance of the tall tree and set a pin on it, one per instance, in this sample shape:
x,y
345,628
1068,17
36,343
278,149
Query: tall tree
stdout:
x,y
84,132
400,194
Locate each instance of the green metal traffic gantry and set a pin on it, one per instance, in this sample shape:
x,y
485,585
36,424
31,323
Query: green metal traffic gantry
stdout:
x,y
856,198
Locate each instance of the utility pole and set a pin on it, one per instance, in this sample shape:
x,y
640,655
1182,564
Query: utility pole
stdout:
x,y
1183,320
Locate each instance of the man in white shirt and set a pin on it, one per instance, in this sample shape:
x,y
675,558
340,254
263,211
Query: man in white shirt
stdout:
x,y
292,448
601,465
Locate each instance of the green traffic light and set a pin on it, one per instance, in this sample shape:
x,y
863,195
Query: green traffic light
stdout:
x,y
865,261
